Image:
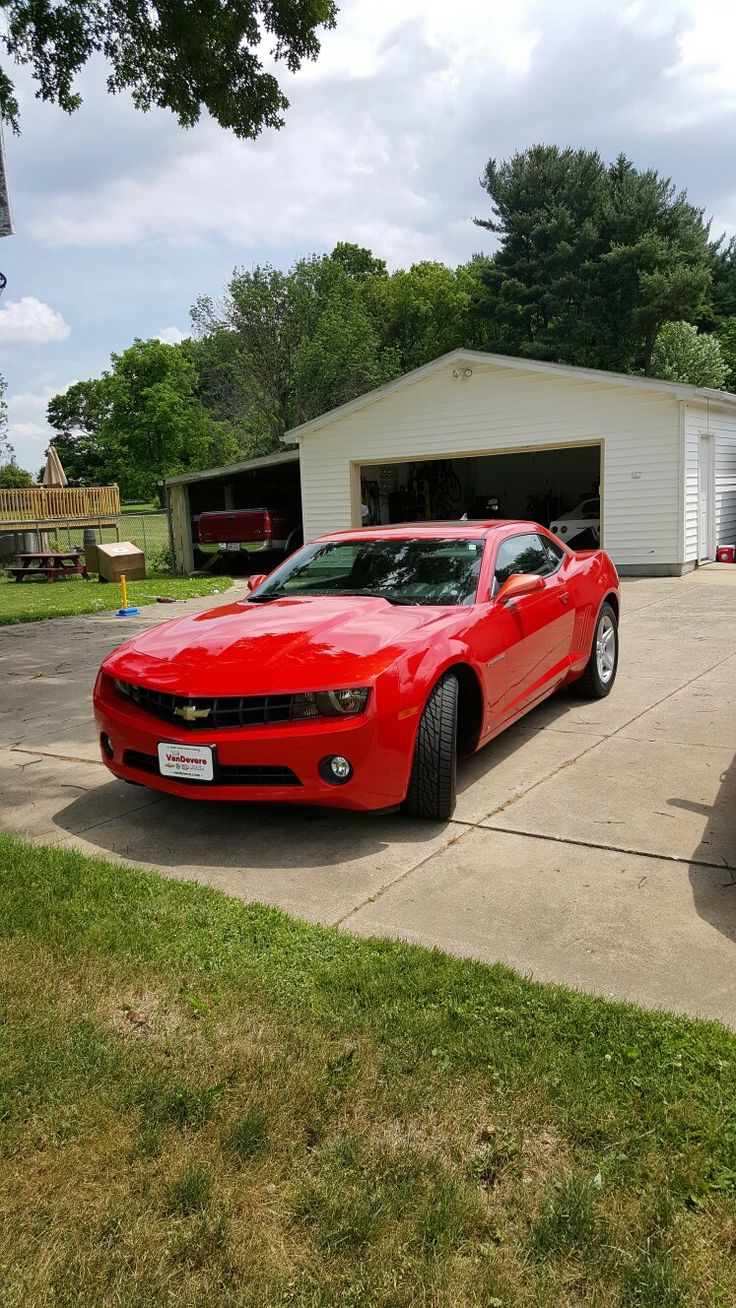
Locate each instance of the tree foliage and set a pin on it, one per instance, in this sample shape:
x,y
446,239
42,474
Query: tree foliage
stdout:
x,y
14,478
682,354
593,258
6,449
726,334
167,53
139,422
328,329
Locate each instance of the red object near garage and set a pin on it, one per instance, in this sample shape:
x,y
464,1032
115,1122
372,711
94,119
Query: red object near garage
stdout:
x,y
224,526
726,554
357,672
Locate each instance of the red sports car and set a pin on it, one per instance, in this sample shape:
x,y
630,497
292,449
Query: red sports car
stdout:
x,y
362,667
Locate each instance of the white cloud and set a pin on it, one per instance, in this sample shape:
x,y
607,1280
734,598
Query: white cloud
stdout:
x,y
29,321
390,128
171,336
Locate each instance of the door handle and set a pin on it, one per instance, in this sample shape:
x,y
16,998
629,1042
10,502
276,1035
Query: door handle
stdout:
x,y
564,597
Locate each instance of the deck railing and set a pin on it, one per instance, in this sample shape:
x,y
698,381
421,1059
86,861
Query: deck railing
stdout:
x,y
58,503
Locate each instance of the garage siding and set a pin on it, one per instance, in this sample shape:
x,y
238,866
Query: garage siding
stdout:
x,y
502,409
722,424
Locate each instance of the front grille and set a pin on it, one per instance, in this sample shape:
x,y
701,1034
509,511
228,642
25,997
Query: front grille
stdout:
x,y
226,775
217,714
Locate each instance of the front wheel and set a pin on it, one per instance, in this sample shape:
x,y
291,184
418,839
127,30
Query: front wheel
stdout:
x,y
602,666
433,783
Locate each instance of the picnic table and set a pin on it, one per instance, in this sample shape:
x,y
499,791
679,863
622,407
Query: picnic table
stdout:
x,y
50,565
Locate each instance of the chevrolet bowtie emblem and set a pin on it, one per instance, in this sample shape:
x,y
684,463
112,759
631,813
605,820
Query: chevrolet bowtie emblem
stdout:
x,y
190,713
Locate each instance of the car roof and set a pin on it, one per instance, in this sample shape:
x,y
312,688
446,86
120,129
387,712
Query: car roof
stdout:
x,y
471,529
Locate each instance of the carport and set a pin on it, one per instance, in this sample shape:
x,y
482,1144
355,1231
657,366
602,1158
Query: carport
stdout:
x,y
270,482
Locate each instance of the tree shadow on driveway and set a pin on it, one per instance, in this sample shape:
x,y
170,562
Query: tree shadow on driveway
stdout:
x,y
714,887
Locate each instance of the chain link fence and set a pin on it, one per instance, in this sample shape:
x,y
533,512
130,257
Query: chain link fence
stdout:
x,y
148,530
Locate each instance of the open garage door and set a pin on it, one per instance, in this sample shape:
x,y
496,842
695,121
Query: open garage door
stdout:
x,y
559,488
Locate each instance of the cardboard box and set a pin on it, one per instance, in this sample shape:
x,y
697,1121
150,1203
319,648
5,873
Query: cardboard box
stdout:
x,y
121,557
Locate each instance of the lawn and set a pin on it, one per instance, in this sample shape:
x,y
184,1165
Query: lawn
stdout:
x,y
209,1105
30,601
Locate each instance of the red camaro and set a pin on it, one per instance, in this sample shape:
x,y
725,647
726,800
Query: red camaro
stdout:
x,y
357,672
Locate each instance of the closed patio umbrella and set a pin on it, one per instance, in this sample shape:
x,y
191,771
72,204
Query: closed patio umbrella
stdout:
x,y
53,473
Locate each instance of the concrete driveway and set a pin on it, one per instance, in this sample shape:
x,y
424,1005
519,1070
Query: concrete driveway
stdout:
x,y
593,844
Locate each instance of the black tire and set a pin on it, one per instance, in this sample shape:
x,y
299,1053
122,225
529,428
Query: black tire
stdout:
x,y
433,783
591,685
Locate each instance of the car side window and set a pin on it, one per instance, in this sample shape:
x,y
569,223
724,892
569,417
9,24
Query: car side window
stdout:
x,y
555,552
522,554
592,509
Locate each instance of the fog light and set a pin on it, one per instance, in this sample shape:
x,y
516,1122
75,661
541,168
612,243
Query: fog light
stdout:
x,y
336,769
106,744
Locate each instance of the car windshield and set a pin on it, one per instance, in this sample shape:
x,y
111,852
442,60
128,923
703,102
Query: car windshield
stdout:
x,y
402,571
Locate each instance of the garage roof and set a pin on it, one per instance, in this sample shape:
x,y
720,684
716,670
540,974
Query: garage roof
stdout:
x,y
248,465
468,357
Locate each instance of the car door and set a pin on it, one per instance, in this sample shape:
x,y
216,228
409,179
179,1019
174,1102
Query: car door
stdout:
x,y
541,625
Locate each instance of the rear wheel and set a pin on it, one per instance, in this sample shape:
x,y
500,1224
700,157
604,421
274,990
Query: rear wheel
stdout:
x,y
600,670
433,783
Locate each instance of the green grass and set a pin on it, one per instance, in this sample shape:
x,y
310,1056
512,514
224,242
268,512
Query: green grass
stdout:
x,y
30,601
207,1103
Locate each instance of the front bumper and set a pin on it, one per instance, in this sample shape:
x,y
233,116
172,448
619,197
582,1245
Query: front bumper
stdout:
x,y
255,760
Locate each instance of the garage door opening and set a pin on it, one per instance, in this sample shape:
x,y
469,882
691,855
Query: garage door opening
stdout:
x,y
557,488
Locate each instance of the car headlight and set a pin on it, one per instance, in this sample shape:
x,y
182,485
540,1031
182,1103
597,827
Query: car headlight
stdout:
x,y
330,703
122,688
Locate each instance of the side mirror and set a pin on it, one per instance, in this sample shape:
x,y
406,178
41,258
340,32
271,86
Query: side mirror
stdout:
x,y
255,580
518,584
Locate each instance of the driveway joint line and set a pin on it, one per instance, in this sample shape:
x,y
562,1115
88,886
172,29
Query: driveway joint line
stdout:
x,y
93,826
525,835
609,849
61,758
389,885
602,740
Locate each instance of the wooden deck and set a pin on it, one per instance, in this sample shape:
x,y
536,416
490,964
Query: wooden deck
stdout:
x,y
42,508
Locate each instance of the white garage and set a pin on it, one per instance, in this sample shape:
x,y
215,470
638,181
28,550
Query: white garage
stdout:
x,y
488,435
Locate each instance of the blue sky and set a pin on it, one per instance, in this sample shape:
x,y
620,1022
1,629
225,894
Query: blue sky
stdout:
x,y
123,219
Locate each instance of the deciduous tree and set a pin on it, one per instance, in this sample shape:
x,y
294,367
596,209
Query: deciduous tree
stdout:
x,y
682,354
14,478
139,422
166,53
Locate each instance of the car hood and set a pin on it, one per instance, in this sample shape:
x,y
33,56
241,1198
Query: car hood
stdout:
x,y
290,644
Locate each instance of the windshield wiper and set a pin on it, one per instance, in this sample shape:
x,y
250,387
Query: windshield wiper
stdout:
x,y
328,594
264,599
379,594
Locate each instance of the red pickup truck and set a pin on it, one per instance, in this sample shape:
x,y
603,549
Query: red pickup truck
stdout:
x,y
237,531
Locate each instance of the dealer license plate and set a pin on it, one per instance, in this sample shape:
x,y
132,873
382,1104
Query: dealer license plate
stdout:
x,y
192,762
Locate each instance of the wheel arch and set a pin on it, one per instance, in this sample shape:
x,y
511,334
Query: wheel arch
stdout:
x,y
612,599
469,705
